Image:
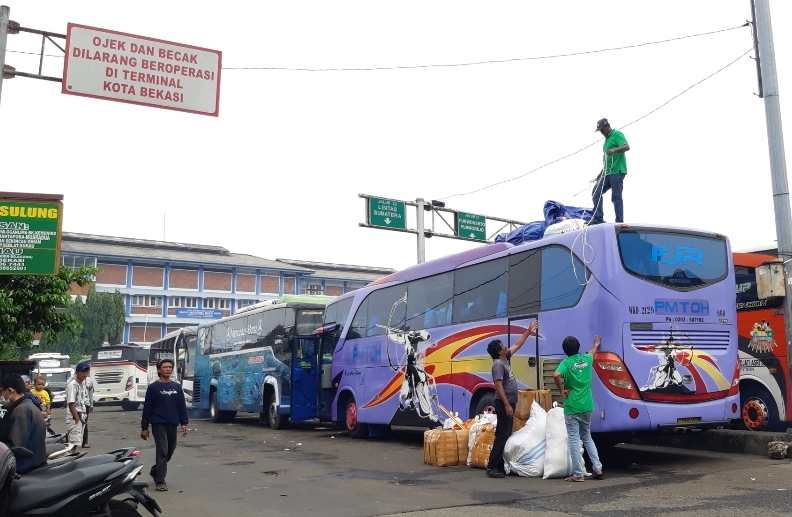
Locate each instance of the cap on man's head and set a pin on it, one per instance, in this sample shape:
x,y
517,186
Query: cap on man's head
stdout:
x,y
163,361
83,367
601,123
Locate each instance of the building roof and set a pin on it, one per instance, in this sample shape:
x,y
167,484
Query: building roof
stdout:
x,y
341,271
123,247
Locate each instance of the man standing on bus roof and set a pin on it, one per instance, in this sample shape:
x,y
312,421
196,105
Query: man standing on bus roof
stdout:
x,y
77,404
573,380
165,409
614,170
505,397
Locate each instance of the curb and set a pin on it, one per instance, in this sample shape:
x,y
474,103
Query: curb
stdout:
x,y
718,440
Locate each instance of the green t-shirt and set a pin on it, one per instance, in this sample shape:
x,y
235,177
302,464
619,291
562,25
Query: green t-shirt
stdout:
x,y
576,371
617,162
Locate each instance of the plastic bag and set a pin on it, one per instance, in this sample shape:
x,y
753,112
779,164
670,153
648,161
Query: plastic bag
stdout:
x,y
525,449
480,420
558,460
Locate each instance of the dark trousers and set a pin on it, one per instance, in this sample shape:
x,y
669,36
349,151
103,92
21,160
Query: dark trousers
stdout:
x,y
614,183
502,433
85,431
165,444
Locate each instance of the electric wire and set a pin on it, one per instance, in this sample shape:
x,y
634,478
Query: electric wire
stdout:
x,y
598,141
487,62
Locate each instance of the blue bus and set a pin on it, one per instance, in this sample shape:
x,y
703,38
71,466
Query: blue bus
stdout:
x,y
256,361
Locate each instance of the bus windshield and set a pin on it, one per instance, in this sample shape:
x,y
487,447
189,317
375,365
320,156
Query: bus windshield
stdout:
x,y
678,260
53,363
308,321
112,355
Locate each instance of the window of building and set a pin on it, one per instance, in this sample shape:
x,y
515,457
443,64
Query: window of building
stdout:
x,y
155,301
246,271
312,289
190,303
209,303
174,301
224,304
77,261
244,303
138,299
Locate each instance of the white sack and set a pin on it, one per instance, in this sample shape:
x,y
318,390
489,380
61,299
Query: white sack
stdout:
x,y
525,449
569,225
558,460
480,420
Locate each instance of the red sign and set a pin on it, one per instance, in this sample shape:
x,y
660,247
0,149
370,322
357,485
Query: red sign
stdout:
x,y
122,67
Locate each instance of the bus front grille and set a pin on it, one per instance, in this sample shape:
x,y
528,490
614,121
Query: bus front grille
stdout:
x,y
698,339
196,395
108,377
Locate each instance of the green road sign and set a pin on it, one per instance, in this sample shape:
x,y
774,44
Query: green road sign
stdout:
x,y
30,237
387,213
471,226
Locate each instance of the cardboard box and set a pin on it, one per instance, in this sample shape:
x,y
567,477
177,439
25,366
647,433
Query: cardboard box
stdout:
x,y
526,397
519,423
485,437
446,447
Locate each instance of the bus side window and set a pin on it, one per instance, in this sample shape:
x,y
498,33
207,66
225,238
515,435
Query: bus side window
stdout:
x,y
563,278
386,310
524,282
429,301
358,327
477,290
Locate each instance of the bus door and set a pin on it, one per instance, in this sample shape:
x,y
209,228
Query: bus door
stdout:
x,y
186,365
527,370
306,370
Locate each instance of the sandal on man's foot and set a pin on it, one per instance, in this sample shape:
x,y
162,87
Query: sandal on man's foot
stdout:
x,y
576,480
599,475
162,487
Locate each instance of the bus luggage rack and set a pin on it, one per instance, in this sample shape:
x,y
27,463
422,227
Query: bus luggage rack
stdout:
x,y
108,377
698,339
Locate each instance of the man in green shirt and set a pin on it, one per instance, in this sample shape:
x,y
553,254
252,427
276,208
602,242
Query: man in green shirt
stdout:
x,y
573,379
614,169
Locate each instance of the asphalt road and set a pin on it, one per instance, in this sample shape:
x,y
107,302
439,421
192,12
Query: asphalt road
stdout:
x,y
245,468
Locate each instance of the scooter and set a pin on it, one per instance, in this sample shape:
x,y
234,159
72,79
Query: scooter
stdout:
x,y
80,487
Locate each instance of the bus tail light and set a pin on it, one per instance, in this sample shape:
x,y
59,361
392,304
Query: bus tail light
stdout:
x,y
735,385
129,383
614,375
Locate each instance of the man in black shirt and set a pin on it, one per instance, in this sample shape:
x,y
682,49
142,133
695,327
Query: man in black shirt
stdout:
x,y
23,425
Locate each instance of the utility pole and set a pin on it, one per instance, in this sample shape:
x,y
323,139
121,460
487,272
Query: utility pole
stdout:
x,y
5,13
775,142
419,226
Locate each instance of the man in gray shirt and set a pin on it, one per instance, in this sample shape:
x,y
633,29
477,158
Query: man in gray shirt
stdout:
x,y
505,398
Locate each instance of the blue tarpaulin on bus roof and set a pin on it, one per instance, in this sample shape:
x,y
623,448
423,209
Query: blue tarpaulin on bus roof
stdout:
x,y
554,212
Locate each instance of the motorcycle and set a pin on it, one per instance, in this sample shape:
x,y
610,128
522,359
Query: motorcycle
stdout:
x,y
75,486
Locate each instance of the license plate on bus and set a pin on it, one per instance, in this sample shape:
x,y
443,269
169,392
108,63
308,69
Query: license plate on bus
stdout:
x,y
691,420
108,399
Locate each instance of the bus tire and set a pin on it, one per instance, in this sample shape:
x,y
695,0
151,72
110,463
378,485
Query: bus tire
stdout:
x,y
217,415
130,406
355,428
486,399
759,411
275,420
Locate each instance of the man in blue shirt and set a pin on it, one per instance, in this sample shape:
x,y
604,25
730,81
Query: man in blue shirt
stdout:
x,y
614,170
165,409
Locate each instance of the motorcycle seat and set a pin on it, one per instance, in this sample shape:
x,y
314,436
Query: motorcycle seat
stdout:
x,y
58,467
38,491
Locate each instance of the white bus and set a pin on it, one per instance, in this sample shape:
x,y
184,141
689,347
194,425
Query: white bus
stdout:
x,y
120,375
56,370
176,345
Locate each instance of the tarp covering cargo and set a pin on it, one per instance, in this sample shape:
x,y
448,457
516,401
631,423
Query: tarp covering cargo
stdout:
x,y
554,212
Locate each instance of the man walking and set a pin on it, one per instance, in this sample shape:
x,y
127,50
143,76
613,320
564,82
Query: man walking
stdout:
x,y
614,169
77,404
573,380
165,409
505,397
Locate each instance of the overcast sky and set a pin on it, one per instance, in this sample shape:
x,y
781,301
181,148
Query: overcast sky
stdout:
x,y
278,173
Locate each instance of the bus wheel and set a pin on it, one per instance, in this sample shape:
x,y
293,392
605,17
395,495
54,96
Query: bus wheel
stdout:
x,y
488,399
276,421
758,409
130,406
219,416
354,428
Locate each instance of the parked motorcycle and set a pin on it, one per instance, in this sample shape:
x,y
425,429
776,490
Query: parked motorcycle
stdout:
x,y
75,486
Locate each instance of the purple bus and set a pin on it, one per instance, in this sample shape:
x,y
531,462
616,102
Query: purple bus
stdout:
x,y
661,298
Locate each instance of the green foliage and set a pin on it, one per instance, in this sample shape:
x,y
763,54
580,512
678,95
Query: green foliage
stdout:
x,y
101,318
37,304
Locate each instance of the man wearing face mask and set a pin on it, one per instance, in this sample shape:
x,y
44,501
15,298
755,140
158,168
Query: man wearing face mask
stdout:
x,y
23,425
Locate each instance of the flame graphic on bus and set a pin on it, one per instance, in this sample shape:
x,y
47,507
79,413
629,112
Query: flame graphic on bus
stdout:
x,y
441,358
696,362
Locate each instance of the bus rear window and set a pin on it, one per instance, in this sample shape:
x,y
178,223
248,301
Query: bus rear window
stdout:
x,y
677,260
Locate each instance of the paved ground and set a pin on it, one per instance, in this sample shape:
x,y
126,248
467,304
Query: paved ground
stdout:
x,y
245,468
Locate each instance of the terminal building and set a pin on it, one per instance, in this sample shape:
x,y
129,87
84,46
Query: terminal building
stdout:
x,y
167,285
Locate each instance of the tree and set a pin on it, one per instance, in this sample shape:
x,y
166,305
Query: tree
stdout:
x,y
37,304
102,318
